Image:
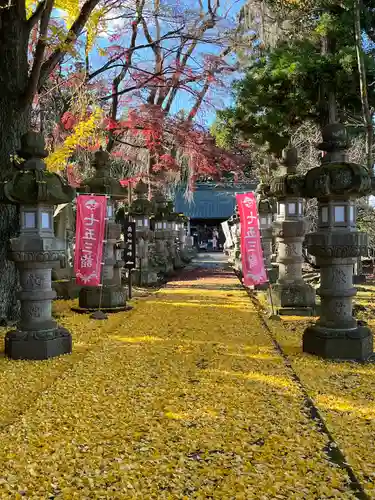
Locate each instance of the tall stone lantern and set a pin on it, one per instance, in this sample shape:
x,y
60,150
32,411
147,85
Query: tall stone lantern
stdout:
x,y
171,236
265,213
291,295
140,212
36,251
336,244
111,296
160,223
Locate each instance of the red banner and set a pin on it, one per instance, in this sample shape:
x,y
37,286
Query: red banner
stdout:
x,y
253,269
90,224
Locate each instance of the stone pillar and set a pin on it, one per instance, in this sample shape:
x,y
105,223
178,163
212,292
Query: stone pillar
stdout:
x,y
336,245
291,295
111,296
36,251
140,213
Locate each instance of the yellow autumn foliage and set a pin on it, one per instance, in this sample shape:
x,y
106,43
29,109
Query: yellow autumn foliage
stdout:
x,y
83,133
164,402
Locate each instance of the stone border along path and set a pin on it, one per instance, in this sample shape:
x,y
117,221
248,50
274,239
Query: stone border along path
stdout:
x,y
184,397
333,451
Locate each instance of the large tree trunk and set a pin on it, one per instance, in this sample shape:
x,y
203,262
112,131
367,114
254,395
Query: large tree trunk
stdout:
x,y
14,121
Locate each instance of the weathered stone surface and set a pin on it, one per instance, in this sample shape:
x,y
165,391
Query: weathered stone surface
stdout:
x,y
354,344
36,251
38,345
336,244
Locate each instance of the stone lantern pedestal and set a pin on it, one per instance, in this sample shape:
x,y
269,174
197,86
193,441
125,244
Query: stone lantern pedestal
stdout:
x,y
336,245
111,296
36,252
291,295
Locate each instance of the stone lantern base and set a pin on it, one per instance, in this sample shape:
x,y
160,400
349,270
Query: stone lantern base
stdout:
x,y
38,345
110,299
355,344
294,299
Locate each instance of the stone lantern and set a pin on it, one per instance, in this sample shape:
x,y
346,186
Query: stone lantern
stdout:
x,y
36,251
184,251
140,212
161,254
171,236
265,213
336,244
111,296
291,295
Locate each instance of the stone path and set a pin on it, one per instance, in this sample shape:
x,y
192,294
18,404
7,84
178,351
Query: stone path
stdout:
x,y
185,397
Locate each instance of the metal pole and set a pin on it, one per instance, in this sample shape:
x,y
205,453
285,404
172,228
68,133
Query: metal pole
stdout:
x,y
130,284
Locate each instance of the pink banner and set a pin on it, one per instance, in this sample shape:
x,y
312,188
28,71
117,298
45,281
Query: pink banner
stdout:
x,y
253,269
90,224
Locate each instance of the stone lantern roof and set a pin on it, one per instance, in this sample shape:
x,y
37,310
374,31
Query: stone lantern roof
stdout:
x,y
336,176
264,201
101,182
141,206
32,183
171,215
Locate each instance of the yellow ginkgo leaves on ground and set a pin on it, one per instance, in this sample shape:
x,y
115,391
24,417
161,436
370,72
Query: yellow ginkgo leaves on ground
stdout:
x,y
343,393
163,402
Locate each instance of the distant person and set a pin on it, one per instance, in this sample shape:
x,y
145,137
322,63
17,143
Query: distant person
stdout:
x,y
215,239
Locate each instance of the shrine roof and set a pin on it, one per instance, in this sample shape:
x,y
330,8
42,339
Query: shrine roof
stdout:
x,y
211,201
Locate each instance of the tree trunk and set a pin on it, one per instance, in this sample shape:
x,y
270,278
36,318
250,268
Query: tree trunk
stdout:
x,y
14,121
367,117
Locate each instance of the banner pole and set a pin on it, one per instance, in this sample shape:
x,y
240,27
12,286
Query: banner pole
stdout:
x,y
99,314
105,242
130,284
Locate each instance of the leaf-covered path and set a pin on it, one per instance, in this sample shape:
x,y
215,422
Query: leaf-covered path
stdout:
x,y
184,397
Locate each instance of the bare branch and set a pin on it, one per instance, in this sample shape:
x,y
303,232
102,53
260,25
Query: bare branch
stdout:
x,y
119,78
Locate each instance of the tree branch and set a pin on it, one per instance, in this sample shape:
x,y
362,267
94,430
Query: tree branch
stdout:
x,y
129,89
108,64
119,78
73,34
37,14
32,84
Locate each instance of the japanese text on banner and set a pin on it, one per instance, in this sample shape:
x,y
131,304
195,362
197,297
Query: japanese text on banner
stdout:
x,y
90,225
253,269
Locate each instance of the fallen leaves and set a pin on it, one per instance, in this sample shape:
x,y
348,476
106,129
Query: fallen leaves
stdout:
x,y
163,402
343,393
